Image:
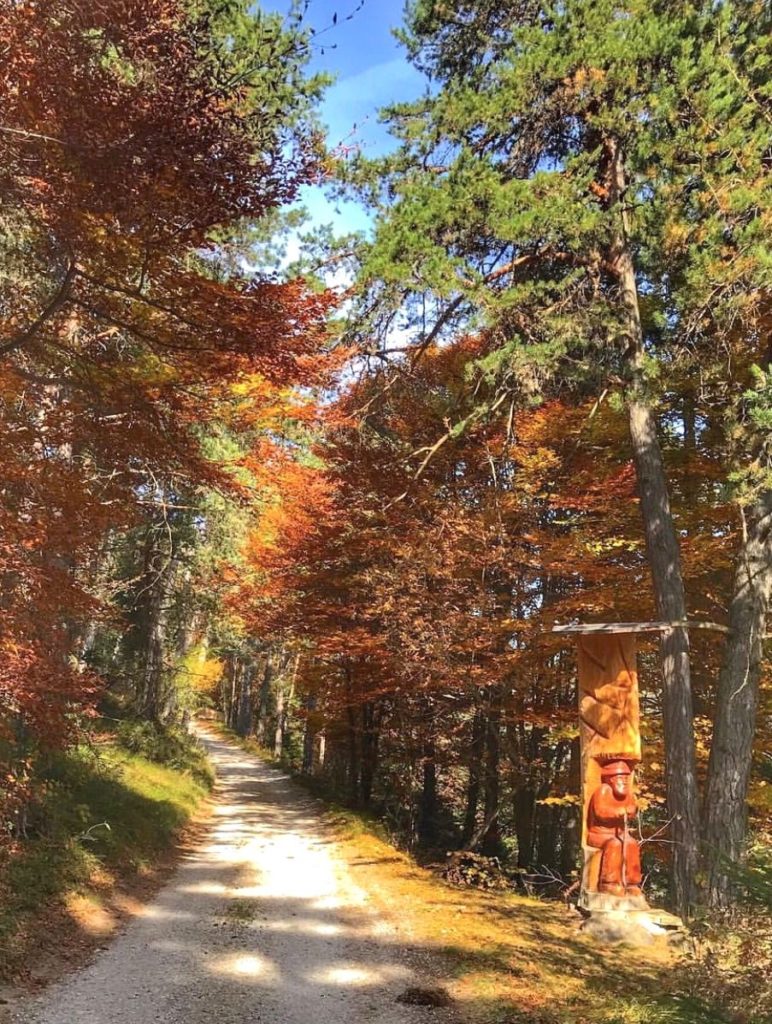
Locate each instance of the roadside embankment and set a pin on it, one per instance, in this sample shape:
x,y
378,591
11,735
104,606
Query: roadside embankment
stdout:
x,y
100,838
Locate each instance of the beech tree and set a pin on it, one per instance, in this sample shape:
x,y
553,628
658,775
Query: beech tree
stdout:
x,y
422,613
138,140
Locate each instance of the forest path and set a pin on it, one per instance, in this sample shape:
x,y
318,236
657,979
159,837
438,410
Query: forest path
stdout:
x,y
261,922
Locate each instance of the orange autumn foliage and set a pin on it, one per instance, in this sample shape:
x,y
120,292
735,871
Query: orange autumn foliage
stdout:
x,y
125,162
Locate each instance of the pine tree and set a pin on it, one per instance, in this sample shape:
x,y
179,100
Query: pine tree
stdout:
x,y
535,194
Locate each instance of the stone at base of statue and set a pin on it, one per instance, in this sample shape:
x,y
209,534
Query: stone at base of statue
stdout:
x,y
602,902
635,926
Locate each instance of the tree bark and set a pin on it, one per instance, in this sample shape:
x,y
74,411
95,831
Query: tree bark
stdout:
x,y
524,806
665,564
281,719
244,717
427,812
309,735
264,699
353,755
491,841
737,698
233,696
475,777
547,820
370,737
159,570
572,828
663,551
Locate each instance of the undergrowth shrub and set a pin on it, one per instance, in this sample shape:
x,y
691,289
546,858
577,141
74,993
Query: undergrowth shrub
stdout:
x,y
168,745
731,964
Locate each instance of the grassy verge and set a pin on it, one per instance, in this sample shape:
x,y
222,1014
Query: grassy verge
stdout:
x,y
109,817
511,959
506,958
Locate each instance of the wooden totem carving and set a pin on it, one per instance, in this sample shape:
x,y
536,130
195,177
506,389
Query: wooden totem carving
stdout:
x,y
611,748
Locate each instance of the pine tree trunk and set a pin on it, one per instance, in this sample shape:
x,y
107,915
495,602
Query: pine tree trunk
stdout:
x,y
665,564
725,809
663,551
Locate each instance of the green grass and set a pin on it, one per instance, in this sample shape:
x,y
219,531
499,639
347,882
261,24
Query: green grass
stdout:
x,y
105,814
671,1009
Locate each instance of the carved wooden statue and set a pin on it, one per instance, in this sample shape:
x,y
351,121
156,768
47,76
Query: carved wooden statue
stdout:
x,y
611,810
611,747
611,902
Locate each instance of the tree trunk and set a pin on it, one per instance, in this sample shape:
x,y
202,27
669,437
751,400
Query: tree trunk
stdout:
x,y
737,698
233,698
353,755
320,752
663,550
369,751
278,733
524,805
572,828
427,811
547,819
244,717
226,683
261,731
159,571
308,736
491,841
475,776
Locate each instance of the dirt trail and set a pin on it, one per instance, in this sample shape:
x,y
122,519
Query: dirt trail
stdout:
x,y
259,923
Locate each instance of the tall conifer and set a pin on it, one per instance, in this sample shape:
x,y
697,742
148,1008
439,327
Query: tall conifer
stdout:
x,y
540,183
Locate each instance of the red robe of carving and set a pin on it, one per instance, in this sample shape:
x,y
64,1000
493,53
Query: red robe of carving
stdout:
x,y
612,806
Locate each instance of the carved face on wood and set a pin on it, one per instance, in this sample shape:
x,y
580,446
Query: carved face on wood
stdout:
x,y
619,776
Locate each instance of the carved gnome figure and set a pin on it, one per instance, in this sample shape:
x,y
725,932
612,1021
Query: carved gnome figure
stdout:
x,y
611,810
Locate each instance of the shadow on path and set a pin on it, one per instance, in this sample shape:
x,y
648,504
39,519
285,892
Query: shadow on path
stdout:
x,y
259,923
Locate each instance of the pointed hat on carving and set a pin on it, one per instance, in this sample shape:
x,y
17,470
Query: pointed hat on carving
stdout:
x,y
613,768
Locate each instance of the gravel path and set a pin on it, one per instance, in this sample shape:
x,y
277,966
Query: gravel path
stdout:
x,y
259,923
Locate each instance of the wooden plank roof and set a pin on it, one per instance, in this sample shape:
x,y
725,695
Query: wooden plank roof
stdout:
x,y
636,627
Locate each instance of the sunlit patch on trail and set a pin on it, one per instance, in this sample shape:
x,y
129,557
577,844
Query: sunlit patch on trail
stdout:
x,y
246,965
357,977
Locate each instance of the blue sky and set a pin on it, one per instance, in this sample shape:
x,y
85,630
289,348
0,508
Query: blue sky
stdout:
x,y
371,71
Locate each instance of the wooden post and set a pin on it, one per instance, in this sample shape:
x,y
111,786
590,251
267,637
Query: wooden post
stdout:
x,y
609,729
610,735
